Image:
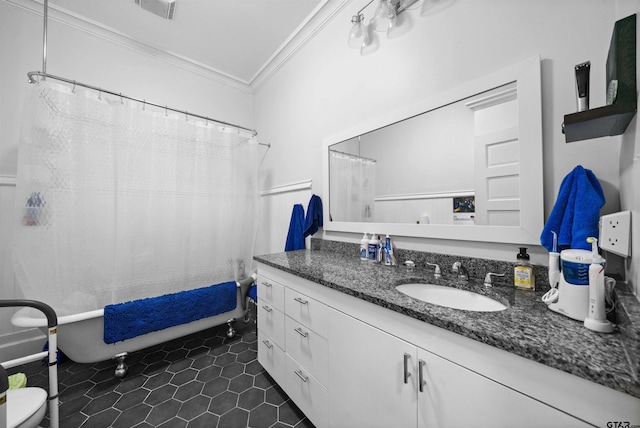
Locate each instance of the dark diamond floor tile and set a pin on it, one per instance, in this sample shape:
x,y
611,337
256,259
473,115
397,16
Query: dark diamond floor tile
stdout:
x,y
225,359
173,423
215,387
75,390
247,356
164,412
275,395
241,383
205,420
161,394
209,373
103,419
132,416
158,380
289,413
203,361
130,383
101,403
194,407
73,406
263,416
184,376
236,418
73,421
131,399
223,403
189,390
180,365
232,370
251,399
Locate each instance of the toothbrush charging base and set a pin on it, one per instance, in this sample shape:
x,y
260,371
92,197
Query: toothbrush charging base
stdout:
x,y
601,326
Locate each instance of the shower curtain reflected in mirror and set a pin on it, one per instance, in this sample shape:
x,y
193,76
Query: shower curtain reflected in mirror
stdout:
x,y
115,202
351,187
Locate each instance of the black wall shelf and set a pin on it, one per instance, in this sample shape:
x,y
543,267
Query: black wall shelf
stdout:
x,y
611,119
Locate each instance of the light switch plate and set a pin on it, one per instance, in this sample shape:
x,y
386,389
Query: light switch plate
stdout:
x,y
615,233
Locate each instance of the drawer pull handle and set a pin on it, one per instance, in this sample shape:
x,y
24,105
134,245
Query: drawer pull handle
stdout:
x,y
406,368
266,284
300,332
267,308
267,344
421,380
301,300
302,376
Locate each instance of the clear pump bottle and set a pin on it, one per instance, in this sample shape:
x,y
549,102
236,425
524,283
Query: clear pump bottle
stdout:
x,y
523,277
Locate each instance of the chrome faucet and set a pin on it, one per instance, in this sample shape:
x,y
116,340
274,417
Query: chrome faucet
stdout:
x,y
437,273
460,270
487,279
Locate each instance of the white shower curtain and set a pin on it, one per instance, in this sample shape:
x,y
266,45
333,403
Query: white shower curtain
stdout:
x,y
115,202
351,187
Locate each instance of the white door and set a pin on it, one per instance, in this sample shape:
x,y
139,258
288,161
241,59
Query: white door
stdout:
x,y
367,377
453,396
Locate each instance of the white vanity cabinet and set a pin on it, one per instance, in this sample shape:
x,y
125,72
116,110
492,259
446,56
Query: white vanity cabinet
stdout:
x,y
350,363
375,382
296,325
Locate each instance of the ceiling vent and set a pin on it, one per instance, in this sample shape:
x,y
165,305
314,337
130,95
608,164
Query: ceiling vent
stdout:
x,y
162,8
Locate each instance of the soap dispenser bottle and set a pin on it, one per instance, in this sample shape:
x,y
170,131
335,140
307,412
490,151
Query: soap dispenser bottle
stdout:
x,y
523,277
364,247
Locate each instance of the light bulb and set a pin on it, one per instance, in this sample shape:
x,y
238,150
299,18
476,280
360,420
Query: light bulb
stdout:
x,y
358,36
385,17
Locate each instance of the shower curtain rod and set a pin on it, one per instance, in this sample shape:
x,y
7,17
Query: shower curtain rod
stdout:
x,y
353,156
32,79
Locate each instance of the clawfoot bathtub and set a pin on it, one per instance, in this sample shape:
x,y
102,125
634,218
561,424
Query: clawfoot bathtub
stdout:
x,y
80,336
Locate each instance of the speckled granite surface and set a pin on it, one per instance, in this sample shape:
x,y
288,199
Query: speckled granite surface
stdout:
x,y
527,328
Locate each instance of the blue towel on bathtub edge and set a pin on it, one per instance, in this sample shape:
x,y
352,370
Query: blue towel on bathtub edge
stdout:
x,y
576,213
127,320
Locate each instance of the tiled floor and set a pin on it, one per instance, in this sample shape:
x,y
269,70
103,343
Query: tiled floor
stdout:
x,y
201,380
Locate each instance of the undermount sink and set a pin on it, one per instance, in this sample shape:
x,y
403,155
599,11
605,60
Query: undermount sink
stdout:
x,y
451,297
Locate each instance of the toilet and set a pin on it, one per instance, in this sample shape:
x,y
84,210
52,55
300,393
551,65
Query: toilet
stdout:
x,y
26,407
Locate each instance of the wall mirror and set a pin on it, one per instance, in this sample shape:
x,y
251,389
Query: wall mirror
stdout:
x,y
465,164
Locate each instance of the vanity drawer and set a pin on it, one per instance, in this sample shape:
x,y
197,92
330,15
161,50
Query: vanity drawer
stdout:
x,y
271,357
308,348
271,291
307,311
271,322
307,392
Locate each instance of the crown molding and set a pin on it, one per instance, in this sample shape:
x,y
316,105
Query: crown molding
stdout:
x,y
321,16
96,29
304,33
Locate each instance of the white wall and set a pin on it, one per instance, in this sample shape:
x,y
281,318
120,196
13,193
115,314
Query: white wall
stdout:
x,y
630,166
88,54
328,87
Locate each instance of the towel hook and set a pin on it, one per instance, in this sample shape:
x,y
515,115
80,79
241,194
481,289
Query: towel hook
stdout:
x,y
144,105
73,90
186,116
121,101
100,95
165,111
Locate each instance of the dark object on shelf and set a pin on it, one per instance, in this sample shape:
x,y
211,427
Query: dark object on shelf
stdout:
x,y
611,119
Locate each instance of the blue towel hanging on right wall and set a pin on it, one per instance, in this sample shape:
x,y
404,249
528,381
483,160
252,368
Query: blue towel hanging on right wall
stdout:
x,y
576,213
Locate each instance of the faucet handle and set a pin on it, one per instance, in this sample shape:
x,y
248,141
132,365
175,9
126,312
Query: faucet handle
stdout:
x,y
437,273
487,279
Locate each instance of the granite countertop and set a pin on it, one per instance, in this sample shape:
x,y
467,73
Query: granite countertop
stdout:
x,y
526,328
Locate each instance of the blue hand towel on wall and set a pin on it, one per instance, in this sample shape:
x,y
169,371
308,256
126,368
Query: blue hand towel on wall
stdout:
x,y
295,237
314,216
576,214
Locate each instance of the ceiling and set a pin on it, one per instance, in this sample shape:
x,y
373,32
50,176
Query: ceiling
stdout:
x,y
236,38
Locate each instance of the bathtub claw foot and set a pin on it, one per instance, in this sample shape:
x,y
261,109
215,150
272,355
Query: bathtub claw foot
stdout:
x,y
121,367
231,331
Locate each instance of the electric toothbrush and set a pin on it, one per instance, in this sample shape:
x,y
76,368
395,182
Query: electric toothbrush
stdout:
x,y
551,296
596,319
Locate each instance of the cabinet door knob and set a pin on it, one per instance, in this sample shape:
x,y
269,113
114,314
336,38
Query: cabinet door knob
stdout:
x,y
302,376
267,344
407,375
266,308
301,332
301,300
421,380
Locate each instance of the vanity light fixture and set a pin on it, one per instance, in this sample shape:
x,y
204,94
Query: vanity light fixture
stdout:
x,y
384,19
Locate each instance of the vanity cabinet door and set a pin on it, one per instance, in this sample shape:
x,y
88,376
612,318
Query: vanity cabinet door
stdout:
x,y
367,376
453,396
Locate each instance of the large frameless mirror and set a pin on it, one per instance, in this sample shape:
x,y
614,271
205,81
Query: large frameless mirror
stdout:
x,y
466,164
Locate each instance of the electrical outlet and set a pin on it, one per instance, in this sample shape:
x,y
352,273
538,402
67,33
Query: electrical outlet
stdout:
x,y
615,233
